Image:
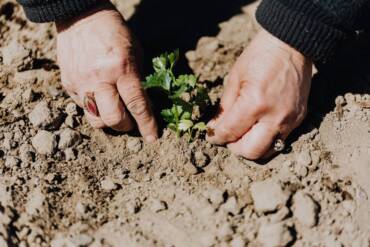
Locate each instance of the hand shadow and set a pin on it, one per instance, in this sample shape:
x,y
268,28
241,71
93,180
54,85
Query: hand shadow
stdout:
x,y
347,72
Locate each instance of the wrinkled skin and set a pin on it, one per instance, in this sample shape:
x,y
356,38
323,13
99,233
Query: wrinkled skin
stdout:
x,y
97,54
265,97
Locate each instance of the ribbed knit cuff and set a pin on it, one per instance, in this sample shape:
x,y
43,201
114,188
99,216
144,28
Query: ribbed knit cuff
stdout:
x,y
303,26
57,10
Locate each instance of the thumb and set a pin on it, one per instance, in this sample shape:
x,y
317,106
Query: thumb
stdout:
x,y
136,101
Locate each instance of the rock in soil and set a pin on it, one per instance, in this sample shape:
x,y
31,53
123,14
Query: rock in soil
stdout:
x,y
268,196
158,205
304,159
108,185
68,138
200,159
238,241
35,203
72,109
305,209
11,162
42,117
134,145
17,56
44,142
70,154
26,153
275,235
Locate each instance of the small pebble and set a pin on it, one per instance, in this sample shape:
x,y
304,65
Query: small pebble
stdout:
x,y
81,210
42,117
70,154
108,185
26,153
268,195
231,206
82,240
28,95
304,158
68,138
71,109
35,202
11,162
225,232
200,159
216,196
238,241
158,205
275,235
134,145
44,142
305,209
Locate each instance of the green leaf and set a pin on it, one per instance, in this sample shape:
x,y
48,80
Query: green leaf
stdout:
x,y
201,126
186,115
177,110
168,115
186,80
173,57
160,63
172,126
162,80
185,125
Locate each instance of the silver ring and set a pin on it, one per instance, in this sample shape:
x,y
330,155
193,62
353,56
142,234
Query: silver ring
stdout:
x,y
279,145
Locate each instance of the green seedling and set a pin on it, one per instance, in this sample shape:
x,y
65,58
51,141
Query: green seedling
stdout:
x,y
188,97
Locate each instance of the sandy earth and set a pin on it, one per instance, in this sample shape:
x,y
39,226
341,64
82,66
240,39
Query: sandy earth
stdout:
x,y
64,184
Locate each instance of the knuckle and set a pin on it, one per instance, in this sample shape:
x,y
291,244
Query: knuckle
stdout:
x,y
227,133
258,99
113,119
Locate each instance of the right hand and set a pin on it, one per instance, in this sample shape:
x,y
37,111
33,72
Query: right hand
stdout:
x,y
97,54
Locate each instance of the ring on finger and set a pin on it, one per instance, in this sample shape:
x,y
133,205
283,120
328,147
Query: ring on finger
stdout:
x,y
279,144
89,104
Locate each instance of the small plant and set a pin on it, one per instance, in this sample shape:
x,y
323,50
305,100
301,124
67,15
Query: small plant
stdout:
x,y
187,96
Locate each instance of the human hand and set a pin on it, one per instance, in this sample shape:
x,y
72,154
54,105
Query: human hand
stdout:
x,y
265,97
97,54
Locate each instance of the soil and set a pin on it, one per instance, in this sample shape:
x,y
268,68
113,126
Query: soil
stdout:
x,y
63,183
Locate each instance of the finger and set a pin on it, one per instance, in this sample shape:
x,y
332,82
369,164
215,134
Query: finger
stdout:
x,y
235,122
256,142
94,121
111,108
137,103
229,96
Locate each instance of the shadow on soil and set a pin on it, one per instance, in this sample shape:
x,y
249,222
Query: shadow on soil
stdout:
x,y
167,24
347,72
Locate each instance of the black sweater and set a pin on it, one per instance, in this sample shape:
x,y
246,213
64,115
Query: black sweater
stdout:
x,y
314,27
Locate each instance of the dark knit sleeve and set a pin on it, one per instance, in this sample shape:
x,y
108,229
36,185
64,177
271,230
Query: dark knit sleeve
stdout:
x,y
55,10
313,27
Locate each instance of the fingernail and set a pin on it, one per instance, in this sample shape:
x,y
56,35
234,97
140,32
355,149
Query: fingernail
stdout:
x,y
150,138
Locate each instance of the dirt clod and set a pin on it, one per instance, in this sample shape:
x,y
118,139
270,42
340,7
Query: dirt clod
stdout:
x,y
275,235
305,209
44,142
268,196
68,138
42,117
134,145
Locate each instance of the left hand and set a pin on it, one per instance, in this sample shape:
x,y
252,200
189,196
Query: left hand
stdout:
x,y
265,97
